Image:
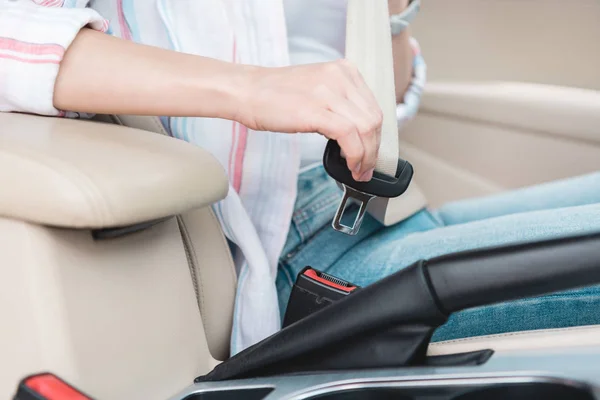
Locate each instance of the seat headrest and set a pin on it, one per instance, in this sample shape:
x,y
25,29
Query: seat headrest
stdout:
x,y
83,174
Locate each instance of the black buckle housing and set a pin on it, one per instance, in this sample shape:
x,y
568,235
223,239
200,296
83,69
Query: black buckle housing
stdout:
x,y
312,291
381,185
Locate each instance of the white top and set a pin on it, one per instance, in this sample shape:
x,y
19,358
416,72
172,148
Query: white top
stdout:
x,y
316,33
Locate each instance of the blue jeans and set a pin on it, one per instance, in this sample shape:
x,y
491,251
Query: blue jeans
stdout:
x,y
549,210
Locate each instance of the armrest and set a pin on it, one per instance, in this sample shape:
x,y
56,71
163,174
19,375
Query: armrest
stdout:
x,y
562,111
82,174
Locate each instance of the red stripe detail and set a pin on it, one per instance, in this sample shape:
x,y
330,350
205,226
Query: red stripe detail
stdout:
x,y
31,48
105,25
238,147
233,134
125,33
52,388
239,157
29,61
311,273
49,3
234,124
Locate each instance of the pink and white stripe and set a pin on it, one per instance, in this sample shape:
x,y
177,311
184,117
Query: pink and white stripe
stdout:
x,y
49,3
239,134
31,53
34,36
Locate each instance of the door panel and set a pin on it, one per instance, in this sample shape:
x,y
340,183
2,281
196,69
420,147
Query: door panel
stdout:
x,y
513,95
472,139
542,41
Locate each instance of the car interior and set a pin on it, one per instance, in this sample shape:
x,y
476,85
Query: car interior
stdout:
x,y
115,274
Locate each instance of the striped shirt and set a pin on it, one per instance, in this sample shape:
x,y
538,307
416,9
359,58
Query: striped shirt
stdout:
x,y
262,166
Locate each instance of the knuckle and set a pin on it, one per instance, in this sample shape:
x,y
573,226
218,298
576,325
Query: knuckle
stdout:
x,y
343,62
368,130
320,90
348,65
344,131
378,118
357,153
332,68
349,130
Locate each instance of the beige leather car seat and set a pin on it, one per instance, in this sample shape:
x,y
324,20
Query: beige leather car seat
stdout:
x,y
114,273
114,311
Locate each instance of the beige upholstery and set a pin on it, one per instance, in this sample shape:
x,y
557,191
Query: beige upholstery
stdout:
x,y
542,41
119,317
96,175
477,139
116,317
213,276
547,340
136,316
208,255
552,110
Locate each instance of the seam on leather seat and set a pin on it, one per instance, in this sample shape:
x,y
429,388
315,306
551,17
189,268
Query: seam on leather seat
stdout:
x,y
116,119
520,333
192,265
159,126
230,265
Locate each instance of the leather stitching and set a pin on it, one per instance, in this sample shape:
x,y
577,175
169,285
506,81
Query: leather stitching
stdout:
x,y
196,275
193,266
230,264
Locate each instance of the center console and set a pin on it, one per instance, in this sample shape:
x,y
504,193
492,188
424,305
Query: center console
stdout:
x,y
572,374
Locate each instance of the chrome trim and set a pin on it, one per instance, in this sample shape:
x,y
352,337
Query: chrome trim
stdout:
x,y
333,387
192,390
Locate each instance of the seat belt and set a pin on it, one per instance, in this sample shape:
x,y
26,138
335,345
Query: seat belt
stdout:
x,y
369,47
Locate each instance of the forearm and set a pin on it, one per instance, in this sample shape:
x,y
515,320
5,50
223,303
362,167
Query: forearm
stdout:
x,y
403,54
103,74
106,75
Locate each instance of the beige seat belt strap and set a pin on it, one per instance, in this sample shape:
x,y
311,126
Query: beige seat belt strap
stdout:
x,y
369,47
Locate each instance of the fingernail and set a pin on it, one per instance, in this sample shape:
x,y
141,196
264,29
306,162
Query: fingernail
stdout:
x,y
367,176
357,168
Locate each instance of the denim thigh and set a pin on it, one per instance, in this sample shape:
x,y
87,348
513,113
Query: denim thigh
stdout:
x,y
379,251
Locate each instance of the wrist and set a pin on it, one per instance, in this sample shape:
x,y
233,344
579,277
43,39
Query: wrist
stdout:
x,y
239,91
223,89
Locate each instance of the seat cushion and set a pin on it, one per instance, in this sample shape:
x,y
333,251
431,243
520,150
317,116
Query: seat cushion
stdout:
x,y
544,339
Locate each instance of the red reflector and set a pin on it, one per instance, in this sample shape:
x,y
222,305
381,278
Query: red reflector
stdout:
x,y
52,388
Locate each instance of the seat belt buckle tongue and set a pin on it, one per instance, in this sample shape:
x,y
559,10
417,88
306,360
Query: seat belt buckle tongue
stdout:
x,y
380,185
46,386
313,291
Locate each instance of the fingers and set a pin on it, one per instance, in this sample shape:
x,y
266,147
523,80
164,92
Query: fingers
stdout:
x,y
363,124
371,128
336,127
363,98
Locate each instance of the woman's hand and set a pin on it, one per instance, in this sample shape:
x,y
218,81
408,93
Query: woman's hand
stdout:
x,y
330,98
